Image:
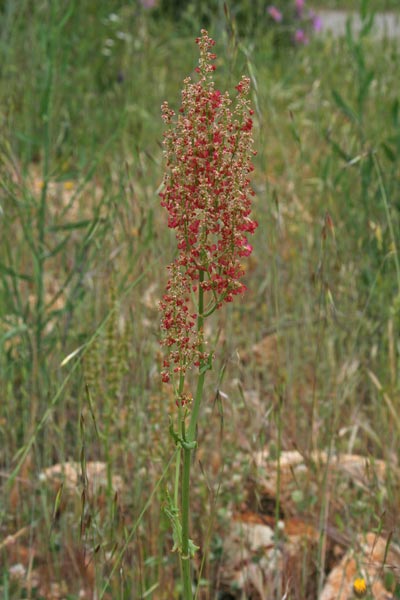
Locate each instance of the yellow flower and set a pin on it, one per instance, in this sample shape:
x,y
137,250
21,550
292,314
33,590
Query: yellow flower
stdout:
x,y
360,587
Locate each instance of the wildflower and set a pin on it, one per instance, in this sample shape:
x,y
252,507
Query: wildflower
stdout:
x,y
299,4
360,587
300,37
316,23
148,3
207,194
275,13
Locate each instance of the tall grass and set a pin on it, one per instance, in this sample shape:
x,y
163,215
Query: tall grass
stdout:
x,y
83,245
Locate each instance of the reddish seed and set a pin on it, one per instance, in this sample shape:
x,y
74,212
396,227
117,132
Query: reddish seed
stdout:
x,y
207,195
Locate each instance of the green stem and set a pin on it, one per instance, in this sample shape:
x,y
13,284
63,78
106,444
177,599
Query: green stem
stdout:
x,y
177,477
42,209
185,556
190,436
200,382
180,430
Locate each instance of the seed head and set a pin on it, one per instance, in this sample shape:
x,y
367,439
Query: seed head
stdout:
x,y
208,149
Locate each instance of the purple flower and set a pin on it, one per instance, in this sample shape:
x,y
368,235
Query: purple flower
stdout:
x,y
275,14
148,3
299,5
317,23
300,37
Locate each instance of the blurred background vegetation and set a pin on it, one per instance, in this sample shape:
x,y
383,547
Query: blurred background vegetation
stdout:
x,y
308,359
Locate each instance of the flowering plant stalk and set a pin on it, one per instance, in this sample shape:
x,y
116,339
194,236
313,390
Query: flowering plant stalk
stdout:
x,y
208,148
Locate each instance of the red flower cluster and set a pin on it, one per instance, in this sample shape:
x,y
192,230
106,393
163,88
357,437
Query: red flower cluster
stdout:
x,y
206,191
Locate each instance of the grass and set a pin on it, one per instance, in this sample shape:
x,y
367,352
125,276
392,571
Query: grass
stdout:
x,y
309,358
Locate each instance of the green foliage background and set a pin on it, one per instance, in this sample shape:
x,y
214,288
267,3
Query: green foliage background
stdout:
x,y
83,250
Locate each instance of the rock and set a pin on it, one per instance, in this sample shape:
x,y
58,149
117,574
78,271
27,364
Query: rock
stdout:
x,y
261,561
369,560
70,475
